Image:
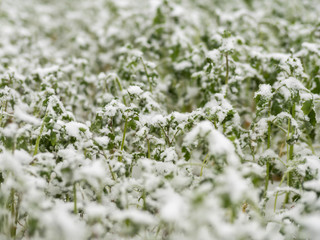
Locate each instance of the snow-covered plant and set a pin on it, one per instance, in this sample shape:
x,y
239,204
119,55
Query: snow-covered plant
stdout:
x,y
159,119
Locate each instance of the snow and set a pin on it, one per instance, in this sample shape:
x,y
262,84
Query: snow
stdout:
x,y
293,83
94,169
174,208
61,69
151,65
235,186
265,91
153,119
179,117
313,185
22,156
63,224
20,114
273,229
169,155
112,108
45,71
94,210
136,216
102,75
182,65
218,143
214,55
102,141
311,222
76,129
135,90
8,162
312,47
10,130
227,45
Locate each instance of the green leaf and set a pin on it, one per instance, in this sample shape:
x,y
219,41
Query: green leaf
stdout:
x,y
1,178
159,18
169,176
316,85
132,124
312,117
81,129
53,138
307,107
186,153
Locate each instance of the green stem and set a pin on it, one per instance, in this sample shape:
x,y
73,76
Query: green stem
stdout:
x,y
112,173
145,69
13,227
3,108
269,135
224,128
13,145
227,69
99,196
149,154
144,200
227,73
166,136
110,168
268,146
276,198
203,162
126,121
290,149
120,87
17,210
36,148
123,138
293,110
309,142
252,148
75,210
267,178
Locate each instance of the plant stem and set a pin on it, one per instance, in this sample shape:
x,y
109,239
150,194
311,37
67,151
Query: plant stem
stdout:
x,y
17,211
126,121
145,69
110,169
267,178
227,73
120,87
112,173
290,149
224,128
144,200
269,128
75,210
3,109
99,199
166,135
276,198
148,142
309,142
268,146
13,227
123,138
203,162
36,148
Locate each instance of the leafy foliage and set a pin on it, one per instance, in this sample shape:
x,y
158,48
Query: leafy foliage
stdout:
x,y
159,119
